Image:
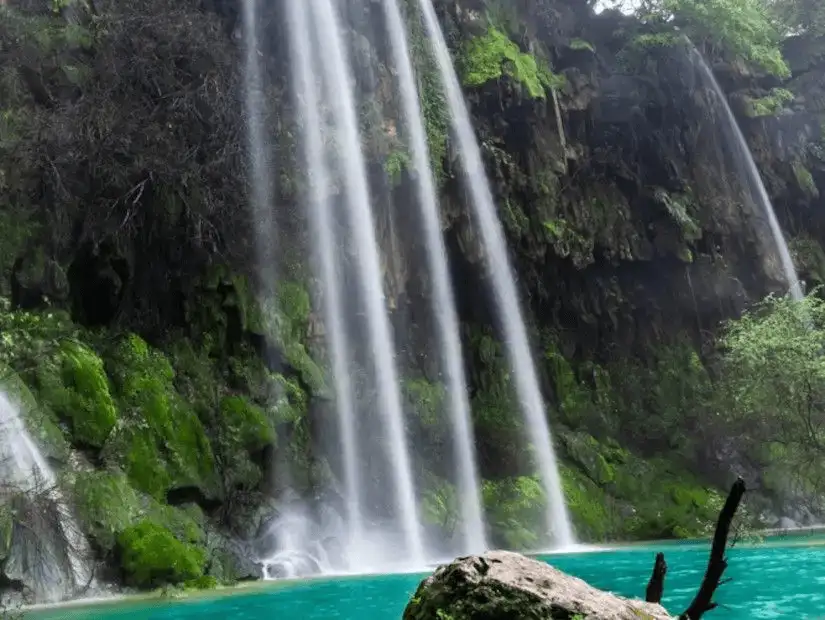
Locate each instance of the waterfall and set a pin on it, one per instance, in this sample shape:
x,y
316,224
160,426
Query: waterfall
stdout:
x,y
307,97
443,304
317,24
747,165
48,550
506,294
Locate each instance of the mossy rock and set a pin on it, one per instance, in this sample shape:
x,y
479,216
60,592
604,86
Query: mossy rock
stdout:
x,y
151,556
76,388
162,442
105,505
246,424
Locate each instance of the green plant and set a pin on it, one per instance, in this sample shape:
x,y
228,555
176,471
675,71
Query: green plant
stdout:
x,y
772,379
490,56
770,105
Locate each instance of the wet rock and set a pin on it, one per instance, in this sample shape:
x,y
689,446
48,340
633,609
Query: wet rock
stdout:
x,y
501,584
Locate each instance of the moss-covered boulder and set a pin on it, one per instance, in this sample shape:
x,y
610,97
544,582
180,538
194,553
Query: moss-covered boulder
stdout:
x,y
75,386
161,443
501,584
152,556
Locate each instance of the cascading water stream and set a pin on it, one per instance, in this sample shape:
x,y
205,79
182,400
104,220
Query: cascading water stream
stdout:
x,y
472,522
260,176
336,73
744,159
307,97
26,470
506,295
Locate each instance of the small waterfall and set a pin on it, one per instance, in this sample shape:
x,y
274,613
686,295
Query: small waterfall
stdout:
x,y
48,550
307,98
320,28
506,294
744,159
472,522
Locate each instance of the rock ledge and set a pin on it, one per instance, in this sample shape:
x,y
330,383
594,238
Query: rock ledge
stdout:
x,y
501,585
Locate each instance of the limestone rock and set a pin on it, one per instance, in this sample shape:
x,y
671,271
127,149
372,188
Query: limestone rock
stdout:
x,y
502,584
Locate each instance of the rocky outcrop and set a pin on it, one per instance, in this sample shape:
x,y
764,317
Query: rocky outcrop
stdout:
x,y
501,584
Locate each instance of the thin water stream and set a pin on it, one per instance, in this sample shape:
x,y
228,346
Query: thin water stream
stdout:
x,y
443,303
506,293
321,223
744,160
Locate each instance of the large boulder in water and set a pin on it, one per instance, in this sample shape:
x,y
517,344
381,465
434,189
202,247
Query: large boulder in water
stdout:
x,y
503,585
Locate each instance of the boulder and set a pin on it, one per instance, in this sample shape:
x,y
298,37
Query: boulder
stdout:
x,y
502,584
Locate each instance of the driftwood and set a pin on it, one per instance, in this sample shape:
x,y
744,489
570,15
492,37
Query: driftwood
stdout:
x,y
656,585
703,601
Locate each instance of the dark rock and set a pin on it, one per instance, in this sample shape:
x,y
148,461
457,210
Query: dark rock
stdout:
x,y
501,584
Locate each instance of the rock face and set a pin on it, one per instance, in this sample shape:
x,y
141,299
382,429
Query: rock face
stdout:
x,y
501,584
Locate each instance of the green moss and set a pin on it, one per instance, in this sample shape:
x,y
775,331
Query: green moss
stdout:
x,y
162,442
246,423
804,179
75,386
395,164
587,505
770,105
581,45
105,505
515,511
204,582
493,55
151,556
682,209
426,400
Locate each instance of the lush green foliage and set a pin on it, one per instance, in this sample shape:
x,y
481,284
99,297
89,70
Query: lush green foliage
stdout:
x,y
493,55
800,16
737,28
773,380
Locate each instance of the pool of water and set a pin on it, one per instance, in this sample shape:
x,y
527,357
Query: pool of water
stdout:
x,y
780,578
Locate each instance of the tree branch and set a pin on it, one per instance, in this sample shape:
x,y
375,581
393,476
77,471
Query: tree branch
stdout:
x,y
703,602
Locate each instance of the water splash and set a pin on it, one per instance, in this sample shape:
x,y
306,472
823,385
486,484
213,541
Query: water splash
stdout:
x,y
501,274
472,522
50,552
744,159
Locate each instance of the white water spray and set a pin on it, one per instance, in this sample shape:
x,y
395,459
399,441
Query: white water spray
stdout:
x,y
744,158
472,522
307,97
506,295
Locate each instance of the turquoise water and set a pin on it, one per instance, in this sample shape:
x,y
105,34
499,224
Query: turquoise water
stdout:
x,y
776,579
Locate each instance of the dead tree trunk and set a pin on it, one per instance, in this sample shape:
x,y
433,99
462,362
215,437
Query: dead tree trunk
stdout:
x,y
656,585
703,602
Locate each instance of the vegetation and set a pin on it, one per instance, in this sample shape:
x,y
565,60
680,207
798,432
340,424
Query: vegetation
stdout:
x,y
773,383
737,29
493,55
